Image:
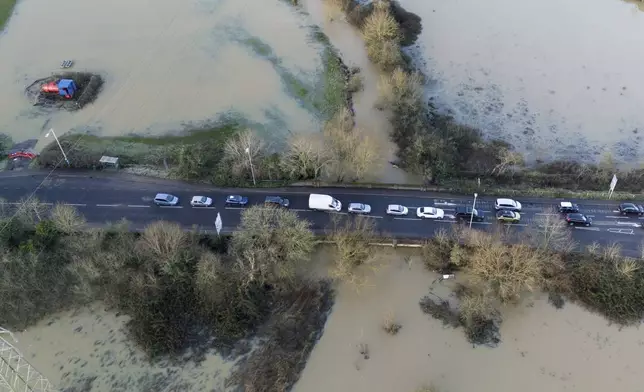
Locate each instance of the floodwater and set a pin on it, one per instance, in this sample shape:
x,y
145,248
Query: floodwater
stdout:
x,y
542,348
348,41
167,64
89,350
555,78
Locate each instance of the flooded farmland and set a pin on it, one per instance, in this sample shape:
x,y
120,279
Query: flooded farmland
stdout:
x,y
554,78
167,65
542,348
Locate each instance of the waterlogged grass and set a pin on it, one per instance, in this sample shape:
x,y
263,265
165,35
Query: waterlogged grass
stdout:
x,y
324,98
6,9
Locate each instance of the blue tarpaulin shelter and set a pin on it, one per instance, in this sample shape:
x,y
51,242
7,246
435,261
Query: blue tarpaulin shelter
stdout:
x,y
66,88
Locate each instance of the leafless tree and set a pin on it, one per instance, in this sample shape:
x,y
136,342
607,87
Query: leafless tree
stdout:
x,y
550,232
235,152
306,156
351,239
67,219
162,244
507,159
271,244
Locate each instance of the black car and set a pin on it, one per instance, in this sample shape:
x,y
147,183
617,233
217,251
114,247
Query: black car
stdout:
x,y
578,220
465,214
566,207
276,201
631,209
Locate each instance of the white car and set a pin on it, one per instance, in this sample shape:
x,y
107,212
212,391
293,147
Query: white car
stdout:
x,y
359,208
430,213
507,204
396,209
201,201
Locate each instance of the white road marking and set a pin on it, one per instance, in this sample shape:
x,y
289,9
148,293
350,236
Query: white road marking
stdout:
x,y
621,231
617,217
137,206
632,224
337,212
587,228
171,206
445,221
107,205
203,208
541,213
479,223
234,208
75,205
411,219
300,209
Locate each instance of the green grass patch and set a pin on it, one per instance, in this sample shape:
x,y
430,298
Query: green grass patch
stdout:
x,y
6,9
335,92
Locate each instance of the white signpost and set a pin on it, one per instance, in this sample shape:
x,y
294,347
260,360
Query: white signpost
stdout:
x,y
613,183
218,224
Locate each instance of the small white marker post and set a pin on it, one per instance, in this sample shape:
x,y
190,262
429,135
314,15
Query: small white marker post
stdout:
x,y
218,224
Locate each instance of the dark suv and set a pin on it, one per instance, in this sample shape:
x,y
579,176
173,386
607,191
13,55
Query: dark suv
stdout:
x,y
566,207
465,214
578,220
631,209
276,201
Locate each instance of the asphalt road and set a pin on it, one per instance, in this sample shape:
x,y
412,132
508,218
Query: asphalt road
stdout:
x,y
108,197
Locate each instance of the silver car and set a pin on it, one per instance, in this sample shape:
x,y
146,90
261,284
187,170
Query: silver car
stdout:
x,y
164,199
397,209
359,208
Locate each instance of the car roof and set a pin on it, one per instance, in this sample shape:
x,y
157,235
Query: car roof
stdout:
x,y
506,201
576,215
431,209
234,197
566,204
628,204
198,197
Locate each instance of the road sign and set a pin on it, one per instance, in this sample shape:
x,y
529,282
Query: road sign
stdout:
x,y
613,182
218,224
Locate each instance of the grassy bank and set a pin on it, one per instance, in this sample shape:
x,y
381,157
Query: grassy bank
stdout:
x,y
6,9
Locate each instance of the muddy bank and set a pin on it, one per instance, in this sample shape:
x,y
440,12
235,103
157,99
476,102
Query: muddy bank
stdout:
x,y
542,348
552,81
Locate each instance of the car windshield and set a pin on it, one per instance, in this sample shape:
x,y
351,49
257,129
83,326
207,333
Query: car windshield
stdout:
x,y
359,206
233,198
168,198
430,210
203,199
396,208
334,203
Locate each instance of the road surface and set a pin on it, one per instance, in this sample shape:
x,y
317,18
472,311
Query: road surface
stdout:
x,y
105,197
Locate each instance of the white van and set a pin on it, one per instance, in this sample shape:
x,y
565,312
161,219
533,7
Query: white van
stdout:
x,y
324,203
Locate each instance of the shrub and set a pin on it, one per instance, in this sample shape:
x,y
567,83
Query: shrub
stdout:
x,y
351,238
390,325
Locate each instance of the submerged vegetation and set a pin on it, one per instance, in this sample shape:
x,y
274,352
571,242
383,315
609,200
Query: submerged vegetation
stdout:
x,y
498,272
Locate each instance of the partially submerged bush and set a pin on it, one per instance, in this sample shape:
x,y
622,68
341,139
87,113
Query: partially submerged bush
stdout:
x,y
390,325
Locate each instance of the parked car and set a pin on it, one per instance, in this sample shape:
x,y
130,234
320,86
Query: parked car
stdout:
x,y
236,200
397,209
359,208
319,202
507,204
507,216
467,213
430,213
276,201
165,199
566,207
577,219
631,209
201,201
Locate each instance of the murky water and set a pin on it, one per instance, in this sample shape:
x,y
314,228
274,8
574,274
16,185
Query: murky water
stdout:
x,y
348,41
90,348
542,349
166,63
555,78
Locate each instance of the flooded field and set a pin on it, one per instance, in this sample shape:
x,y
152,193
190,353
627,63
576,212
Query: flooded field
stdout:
x,y
542,349
554,78
166,64
88,350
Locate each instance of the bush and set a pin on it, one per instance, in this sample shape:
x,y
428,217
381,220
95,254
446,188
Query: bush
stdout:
x,y
352,238
290,337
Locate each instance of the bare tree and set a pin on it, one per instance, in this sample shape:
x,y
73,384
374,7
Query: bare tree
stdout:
x,y
351,238
507,159
67,219
306,156
353,152
550,232
235,152
31,211
162,245
270,244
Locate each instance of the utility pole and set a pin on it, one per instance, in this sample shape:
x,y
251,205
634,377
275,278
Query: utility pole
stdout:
x,y
51,132
16,374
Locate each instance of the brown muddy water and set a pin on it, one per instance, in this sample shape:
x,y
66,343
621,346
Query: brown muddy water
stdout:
x,y
89,351
554,78
542,349
348,41
165,63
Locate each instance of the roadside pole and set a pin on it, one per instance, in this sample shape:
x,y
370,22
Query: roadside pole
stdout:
x,y
218,224
611,188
